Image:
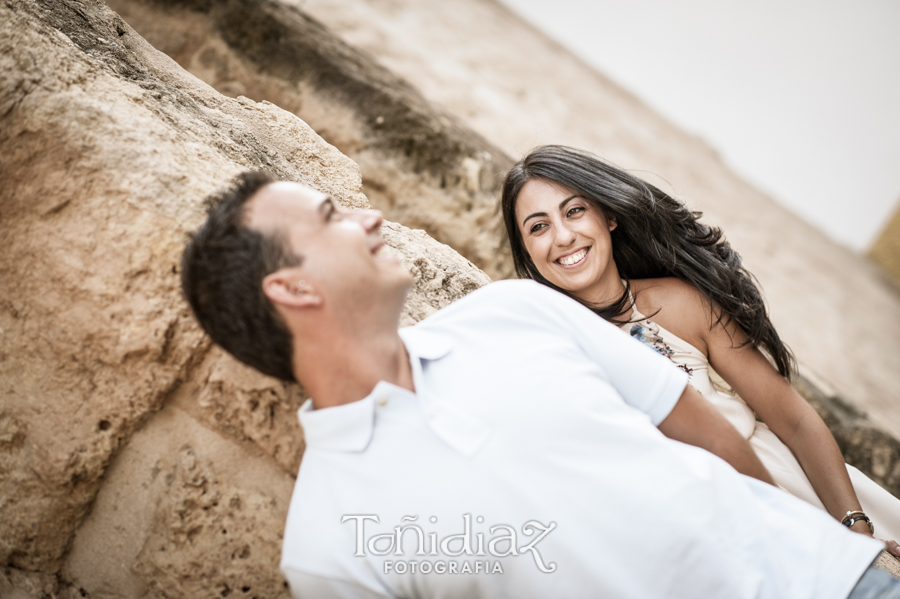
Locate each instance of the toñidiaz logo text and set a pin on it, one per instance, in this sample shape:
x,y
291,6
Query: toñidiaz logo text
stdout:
x,y
432,553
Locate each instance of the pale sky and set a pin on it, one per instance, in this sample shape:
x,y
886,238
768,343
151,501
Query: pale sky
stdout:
x,y
800,97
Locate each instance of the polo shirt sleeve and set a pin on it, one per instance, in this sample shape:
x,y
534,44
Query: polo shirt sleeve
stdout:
x,y
645,379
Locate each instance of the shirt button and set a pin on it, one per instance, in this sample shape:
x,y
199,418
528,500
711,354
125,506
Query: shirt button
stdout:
x,y
431,415
382,401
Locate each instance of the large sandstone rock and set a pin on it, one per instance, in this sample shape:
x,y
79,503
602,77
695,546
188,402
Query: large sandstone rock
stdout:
x,y
113,402
418,164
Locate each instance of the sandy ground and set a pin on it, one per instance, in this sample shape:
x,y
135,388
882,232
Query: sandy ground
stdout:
x,y
837,310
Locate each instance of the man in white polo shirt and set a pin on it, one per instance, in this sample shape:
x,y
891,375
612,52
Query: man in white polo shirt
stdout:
x,y
511,445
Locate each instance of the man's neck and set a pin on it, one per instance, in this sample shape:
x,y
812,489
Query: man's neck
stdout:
x,y
346,369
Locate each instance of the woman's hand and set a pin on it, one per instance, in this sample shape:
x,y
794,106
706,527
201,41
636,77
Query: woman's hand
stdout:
x,y
862,527
893,547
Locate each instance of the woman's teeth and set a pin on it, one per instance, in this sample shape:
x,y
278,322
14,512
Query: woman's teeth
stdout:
x,y
573,258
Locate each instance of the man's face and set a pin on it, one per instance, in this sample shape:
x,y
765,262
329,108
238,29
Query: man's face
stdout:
x,y
342,252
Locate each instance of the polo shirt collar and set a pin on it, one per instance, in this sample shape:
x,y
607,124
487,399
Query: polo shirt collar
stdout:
x,y
349,427
424,344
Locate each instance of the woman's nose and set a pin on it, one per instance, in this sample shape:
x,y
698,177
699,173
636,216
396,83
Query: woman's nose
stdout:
x,y
563,236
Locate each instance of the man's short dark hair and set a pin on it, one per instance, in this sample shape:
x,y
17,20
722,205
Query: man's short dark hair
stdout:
x,y
222,270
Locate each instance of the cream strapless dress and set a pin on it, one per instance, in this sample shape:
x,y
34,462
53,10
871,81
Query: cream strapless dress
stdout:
x,y
882,507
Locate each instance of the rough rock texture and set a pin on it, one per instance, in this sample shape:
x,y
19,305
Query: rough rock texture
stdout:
x,y
519,89
418,165
107,149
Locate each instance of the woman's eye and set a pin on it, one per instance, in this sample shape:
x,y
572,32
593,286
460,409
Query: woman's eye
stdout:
x,y
574,210
536,227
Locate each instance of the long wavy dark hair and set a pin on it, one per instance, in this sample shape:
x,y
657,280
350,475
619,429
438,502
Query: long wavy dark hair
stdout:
x,y
656,236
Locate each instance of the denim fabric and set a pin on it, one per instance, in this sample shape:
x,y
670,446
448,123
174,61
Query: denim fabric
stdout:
x,y
876,584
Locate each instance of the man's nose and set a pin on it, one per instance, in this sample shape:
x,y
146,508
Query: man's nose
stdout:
x,y
371,220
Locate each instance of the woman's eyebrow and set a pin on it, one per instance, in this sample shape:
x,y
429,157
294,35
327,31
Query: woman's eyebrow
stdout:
x,y
567,200
561,206
535,215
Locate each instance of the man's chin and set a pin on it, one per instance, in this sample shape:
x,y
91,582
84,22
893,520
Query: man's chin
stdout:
x,y
402,274
404,285
406,282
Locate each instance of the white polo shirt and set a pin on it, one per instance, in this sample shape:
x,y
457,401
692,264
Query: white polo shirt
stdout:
x,y
528,464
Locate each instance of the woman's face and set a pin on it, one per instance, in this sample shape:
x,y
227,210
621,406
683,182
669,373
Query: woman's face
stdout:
x,y
568,239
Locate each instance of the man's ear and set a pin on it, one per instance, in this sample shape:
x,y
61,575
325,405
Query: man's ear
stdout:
x,y
287,288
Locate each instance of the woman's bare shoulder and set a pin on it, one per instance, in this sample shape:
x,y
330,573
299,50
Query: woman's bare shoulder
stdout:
x,y
668,293
676,305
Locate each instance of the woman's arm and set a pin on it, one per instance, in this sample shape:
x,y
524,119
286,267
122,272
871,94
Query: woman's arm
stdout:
x,y
787,414
683,310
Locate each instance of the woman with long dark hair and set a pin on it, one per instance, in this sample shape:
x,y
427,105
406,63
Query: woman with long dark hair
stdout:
x,y
643,261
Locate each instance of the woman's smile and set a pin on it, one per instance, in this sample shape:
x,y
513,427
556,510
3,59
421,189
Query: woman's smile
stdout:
x,y
573,259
